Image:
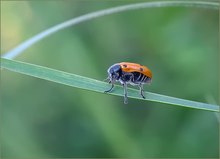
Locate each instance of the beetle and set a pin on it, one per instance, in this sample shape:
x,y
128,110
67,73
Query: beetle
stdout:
x,y
129,73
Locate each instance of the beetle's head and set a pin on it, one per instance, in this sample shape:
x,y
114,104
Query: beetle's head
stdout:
x,y
114,72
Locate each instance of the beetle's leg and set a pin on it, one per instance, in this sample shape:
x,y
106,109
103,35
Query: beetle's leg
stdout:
x,y
132,78
125,93
110,88
141,90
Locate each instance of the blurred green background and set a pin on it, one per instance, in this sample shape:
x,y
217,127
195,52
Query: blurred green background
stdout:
x,y
45,119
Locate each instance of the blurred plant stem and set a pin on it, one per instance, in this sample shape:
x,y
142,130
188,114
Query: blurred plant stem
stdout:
x,y
26,44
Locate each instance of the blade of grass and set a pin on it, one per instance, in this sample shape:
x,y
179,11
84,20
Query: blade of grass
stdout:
x,y
26,44
95,85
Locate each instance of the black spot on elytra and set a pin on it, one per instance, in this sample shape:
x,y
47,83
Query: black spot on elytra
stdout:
x,y
125,65
141,69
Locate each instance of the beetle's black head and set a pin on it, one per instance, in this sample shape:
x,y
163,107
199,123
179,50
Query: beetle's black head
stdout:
x,y
114,72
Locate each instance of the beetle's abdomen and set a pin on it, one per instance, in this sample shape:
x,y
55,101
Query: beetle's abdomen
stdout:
x,y
135,78
140,78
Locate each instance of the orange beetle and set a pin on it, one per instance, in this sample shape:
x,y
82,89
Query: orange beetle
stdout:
x,y
129,73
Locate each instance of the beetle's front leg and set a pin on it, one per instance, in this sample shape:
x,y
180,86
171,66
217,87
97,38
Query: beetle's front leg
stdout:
x,y
110,88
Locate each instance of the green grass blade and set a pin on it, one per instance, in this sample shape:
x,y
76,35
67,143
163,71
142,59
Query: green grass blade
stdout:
x,y
28,43
95,85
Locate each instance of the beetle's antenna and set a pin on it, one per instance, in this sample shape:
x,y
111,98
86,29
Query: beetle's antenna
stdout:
x,y
106,79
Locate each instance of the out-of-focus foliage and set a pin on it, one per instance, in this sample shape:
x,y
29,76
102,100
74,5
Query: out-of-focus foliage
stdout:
x,y
44,119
